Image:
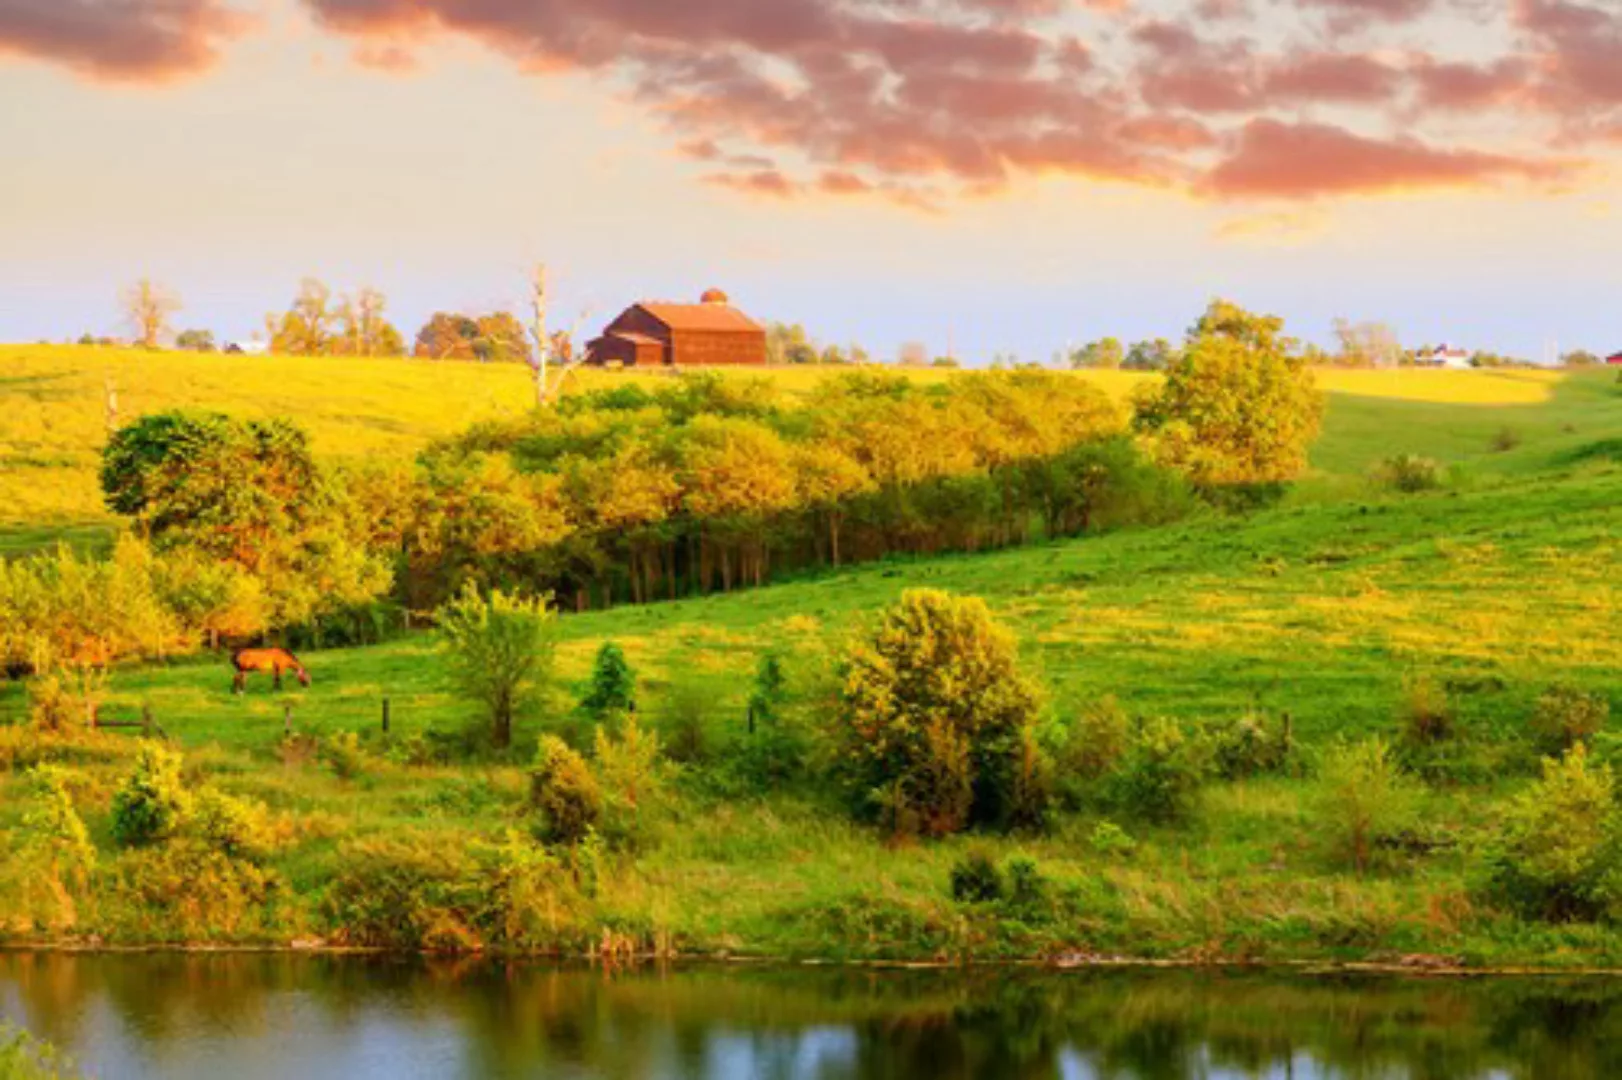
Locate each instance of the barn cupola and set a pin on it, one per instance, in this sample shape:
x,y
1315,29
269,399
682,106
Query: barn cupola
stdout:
x,y
715,296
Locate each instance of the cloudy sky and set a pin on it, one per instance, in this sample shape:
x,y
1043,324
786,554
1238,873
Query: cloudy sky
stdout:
x,y
989,175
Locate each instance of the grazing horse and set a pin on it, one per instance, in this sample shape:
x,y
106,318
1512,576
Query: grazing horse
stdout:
x,y
274,661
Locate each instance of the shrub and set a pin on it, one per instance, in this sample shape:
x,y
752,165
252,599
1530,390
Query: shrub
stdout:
x,y
1556,854
682,711
527,898
976,879
51,706
1109,839
53,858
564,791
1027,888
501,650
1409,473
189,891
413,892
1364,800
933,711
344,754
1566,716
238,828
153,801
1505,439
1427,716
1250,745
22,1057
1093,745
612,690
633,780
1161,773
767,695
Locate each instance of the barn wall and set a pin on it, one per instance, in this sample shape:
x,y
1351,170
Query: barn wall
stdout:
x,y
719,348
614,351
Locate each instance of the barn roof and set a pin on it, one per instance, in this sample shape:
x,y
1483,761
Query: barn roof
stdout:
x,y
710,317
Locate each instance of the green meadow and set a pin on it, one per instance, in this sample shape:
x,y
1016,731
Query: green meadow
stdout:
x,y
1321,612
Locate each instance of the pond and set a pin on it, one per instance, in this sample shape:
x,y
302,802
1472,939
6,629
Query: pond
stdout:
x,y
243,1017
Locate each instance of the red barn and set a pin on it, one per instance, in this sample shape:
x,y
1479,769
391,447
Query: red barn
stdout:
x,y
711,332
1615,360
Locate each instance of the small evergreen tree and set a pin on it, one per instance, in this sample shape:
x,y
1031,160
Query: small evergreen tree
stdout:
x,y
612,690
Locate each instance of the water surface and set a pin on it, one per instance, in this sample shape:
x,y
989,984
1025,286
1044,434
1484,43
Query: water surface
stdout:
x,y
243,1017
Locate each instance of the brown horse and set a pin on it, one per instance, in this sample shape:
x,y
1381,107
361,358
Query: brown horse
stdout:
x,y
274,661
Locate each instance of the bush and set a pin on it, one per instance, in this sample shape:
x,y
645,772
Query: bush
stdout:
x,y
1027,888
1097,740
1409,473
1566,716
344,754
1427,717
767,695
1250,745
52,859
564,792
153,802
51,706
1364,800
933,715
1556,851
1161,773
976,879
190,891
612,690
238,828
501,650
23,1057
633,780
682,711
410,893
1505,439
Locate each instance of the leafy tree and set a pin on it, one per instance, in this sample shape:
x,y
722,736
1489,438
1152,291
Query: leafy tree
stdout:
x,y
246,492
1104,353
933,713
149,307
196,341
612,691
1367,344
789,344
502,339
1238,407
1155,355
307,327
1581,358
447,337
501,652
153,801
363,330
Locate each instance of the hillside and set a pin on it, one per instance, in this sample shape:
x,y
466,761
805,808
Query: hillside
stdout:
x,y
1324,610
53,414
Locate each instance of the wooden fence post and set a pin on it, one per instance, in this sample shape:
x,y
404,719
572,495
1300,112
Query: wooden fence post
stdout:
x,y
385,716
287,718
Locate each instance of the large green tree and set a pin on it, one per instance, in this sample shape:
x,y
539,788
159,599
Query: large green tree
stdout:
x,y
1239,406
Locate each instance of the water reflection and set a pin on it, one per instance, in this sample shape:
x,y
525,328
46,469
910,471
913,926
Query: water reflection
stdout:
x,y
246,1017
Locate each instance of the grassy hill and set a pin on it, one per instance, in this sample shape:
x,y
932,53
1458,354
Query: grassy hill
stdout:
x,y
1324,609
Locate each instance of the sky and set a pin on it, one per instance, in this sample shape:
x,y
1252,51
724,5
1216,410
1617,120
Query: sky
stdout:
x,y
982,176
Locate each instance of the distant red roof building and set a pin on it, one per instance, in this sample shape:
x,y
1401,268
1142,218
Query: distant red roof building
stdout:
x,y
652,334
1616,359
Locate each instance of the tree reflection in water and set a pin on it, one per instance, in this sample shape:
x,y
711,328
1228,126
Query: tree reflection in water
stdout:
x,y
250,1016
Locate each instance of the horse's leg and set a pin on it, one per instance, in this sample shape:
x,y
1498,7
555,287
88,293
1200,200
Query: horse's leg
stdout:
x,y
278,672
238,681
